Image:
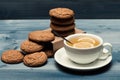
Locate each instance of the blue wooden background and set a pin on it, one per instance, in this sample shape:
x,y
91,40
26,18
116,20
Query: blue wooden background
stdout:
x,y
38,9
13,32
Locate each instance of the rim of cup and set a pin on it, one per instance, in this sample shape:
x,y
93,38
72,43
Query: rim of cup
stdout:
x,y
86,34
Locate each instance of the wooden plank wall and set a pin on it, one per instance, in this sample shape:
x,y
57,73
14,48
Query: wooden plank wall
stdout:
x,y
38,9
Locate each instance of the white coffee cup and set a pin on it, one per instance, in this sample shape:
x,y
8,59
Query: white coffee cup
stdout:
x,y
87,55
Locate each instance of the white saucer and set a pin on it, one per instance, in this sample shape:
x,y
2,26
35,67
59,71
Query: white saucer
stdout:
x,y
62,59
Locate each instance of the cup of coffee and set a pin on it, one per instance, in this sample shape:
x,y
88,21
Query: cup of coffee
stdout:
x,y
86,48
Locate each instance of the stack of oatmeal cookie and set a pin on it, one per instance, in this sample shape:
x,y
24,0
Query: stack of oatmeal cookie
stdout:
x,y
43,37
38,47
62,21
34,51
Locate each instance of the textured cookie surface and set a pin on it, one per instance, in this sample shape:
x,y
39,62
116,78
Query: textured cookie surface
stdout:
x,y
62,21
30,47
41,36
12,56
35,59
66,33
62,28
61,13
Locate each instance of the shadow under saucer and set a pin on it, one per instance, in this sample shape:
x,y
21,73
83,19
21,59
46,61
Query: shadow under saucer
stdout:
x,y
83,72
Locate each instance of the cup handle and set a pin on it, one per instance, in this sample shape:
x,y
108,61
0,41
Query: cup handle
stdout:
x,y
107,50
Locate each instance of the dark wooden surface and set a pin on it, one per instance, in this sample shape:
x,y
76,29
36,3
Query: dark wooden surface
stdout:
x,y
38,9
12,32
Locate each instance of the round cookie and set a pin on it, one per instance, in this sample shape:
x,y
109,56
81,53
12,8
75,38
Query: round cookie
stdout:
x,y
12,56
35,59
30,47
41,36
62,28
62,21
66,33
62,13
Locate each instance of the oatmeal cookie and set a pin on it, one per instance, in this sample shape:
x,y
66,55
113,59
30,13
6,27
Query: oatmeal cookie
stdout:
x,y
12,56
30,47
66,33
35,59
62,21
62,13
62,28
41,36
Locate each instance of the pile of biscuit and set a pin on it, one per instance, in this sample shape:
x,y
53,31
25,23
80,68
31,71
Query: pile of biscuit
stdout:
x,y
38,47
34,51
62,21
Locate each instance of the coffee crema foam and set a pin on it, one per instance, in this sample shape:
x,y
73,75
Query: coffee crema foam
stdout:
x,y
84,42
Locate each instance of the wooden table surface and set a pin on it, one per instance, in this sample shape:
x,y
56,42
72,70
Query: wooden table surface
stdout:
x,y
12,32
